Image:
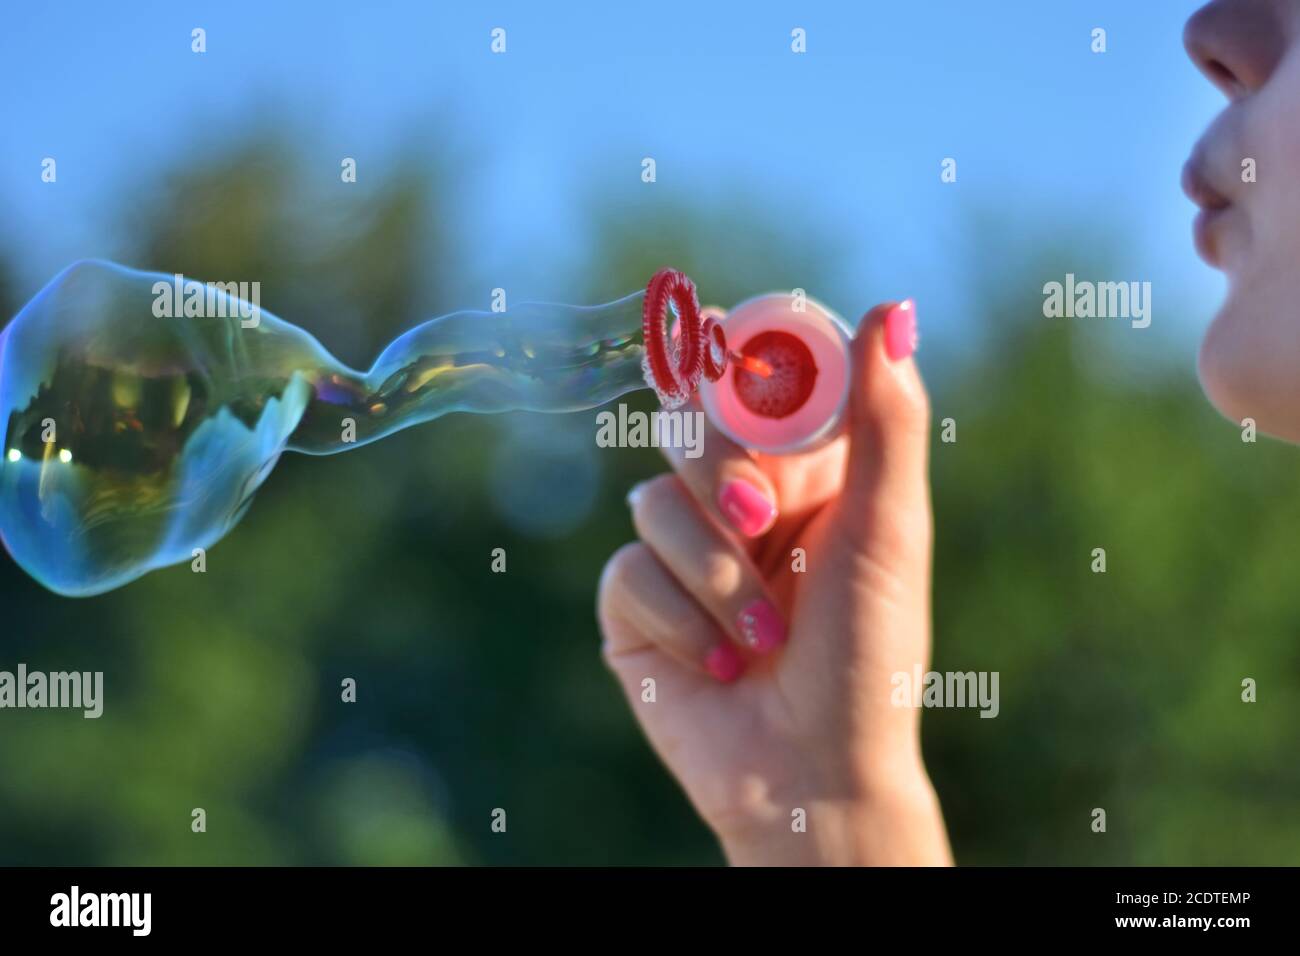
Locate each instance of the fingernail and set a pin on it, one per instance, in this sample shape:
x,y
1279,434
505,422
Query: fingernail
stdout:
x,y
724,663
747,508
900,330
761,627
634,493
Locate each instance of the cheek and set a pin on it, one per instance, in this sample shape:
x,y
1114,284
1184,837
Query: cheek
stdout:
x,y
1271,137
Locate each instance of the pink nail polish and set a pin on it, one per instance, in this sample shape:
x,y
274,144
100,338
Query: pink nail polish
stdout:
x,y
900,330
761,627
724,663
747,508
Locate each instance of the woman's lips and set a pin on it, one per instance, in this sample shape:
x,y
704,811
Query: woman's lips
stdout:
x,y
1198,188
1208,226
1207,234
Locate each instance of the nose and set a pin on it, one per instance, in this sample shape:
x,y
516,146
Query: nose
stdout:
x,y
1237,43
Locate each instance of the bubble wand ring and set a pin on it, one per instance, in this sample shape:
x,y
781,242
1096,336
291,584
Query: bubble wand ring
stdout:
x,y
700,349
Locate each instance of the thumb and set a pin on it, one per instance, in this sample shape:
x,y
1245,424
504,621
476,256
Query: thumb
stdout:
x,y
886,484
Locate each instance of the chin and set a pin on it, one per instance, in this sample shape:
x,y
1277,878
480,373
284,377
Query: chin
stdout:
x,y
1244,375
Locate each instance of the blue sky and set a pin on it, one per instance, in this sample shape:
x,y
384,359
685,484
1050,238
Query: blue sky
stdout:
x,y
1050,139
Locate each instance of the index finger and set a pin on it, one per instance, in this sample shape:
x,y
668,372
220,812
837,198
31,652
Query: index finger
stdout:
x,y
723,478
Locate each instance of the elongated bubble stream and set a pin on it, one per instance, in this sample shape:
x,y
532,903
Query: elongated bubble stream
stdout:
x,y
134,434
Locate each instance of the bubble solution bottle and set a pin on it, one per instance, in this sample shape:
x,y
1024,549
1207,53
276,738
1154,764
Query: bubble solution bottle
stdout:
x,y
791,388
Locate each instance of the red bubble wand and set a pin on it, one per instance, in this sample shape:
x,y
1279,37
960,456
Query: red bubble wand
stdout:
x,y
675,363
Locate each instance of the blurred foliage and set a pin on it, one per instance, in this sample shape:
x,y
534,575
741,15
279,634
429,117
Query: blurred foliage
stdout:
x,y
479,691
1119,690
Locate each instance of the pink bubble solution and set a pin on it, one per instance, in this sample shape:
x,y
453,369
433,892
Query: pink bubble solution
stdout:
x,y
802,403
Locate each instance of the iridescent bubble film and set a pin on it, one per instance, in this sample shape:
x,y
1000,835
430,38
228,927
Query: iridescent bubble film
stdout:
x,y
142,411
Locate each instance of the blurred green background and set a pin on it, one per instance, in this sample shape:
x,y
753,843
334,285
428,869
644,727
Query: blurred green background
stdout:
x,y
478,690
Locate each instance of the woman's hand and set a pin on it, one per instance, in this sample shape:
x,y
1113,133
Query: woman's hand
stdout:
x,y
771,599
